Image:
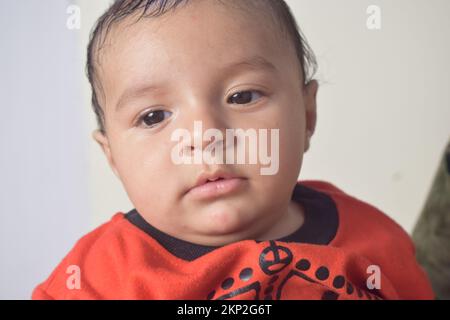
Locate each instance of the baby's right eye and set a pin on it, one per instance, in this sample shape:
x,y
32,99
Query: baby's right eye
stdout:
x,y
152,118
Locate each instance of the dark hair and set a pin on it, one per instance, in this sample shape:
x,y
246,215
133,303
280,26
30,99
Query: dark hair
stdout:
x,y
121,9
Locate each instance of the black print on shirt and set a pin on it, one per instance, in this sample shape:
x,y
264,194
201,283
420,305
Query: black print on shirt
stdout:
x,y
272,260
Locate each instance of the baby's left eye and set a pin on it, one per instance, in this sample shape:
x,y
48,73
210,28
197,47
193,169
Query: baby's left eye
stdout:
x,y
244,97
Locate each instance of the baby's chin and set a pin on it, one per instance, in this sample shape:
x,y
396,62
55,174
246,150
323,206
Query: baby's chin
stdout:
x,y
223,219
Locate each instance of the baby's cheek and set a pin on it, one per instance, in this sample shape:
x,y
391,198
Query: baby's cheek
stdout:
x,y
145,176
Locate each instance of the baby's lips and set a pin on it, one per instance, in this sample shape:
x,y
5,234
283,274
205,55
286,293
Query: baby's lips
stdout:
x,y
216,188
213,176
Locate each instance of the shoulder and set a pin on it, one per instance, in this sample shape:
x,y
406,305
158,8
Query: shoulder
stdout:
x,y
87,257
360,218
99,238
366,231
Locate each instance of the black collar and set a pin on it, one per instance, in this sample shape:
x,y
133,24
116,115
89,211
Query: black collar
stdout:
x,y
319,227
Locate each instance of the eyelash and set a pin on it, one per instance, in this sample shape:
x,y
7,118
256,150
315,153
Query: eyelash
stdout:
x,y
141,119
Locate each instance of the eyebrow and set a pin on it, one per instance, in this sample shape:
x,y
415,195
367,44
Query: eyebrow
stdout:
x,y
256,62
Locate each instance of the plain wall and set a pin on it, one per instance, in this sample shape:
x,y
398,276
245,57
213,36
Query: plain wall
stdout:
x,y
44,198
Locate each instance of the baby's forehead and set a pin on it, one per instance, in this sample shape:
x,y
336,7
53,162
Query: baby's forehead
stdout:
x,y
257,13
196,33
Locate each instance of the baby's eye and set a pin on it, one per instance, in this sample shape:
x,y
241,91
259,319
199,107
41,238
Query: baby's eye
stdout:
x,y
152,118
243,97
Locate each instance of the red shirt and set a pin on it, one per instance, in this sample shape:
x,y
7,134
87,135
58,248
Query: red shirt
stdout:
x,y
341,246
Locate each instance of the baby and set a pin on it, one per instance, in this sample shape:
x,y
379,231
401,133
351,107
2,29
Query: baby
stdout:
x,y
205,110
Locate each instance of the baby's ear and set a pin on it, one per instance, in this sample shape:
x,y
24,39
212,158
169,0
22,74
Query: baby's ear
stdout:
x,y
103,142
310,100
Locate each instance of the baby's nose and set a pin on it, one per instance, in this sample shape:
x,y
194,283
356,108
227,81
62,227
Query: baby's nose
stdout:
x,y
207,133
204,124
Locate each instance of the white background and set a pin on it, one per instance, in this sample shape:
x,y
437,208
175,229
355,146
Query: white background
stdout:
x,y
384,110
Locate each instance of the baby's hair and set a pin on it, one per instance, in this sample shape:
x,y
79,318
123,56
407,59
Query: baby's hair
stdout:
x,y
121,9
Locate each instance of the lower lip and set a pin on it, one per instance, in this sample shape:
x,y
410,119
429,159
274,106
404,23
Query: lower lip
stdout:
x,y
216,188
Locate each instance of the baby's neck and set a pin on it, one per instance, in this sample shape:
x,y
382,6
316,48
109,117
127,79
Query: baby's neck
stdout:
x,y
287,224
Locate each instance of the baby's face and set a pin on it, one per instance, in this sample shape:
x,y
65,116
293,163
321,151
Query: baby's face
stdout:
x,y
227,69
